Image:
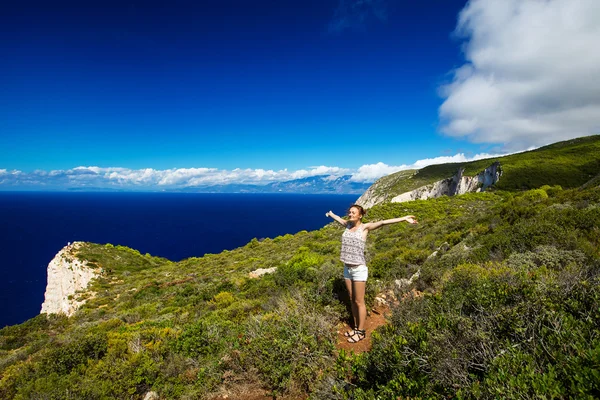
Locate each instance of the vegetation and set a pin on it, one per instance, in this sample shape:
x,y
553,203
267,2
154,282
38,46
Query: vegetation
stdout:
x,y
569,164
510,307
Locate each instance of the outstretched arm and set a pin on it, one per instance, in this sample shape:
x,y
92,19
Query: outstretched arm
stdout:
x,y
411,219
336,218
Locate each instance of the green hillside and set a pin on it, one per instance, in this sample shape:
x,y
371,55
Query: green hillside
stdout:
x,y
569,164
510,308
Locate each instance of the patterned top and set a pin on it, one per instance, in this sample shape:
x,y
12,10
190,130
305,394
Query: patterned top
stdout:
x,y
353,247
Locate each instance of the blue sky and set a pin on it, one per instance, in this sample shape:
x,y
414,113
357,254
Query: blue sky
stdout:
x,y
256,91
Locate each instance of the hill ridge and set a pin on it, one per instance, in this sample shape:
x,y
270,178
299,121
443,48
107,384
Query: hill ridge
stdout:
x,y
570,164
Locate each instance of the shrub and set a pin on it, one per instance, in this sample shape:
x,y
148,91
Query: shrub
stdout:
x,y
525,327
13,337
302,267
548,256
224,299
254,243
290,346
534,196
64,358
552,190
203,338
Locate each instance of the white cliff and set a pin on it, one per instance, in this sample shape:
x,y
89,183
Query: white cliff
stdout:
x,y
457,184
67,275
379,192
370,198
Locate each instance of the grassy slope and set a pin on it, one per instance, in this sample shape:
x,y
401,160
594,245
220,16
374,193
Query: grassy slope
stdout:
x,y
195,327
511,307
568,164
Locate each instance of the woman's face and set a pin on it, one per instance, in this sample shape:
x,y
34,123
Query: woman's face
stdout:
x,y
354,214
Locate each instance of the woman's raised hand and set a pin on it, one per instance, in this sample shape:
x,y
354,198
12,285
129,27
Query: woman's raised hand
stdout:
x,y
411,219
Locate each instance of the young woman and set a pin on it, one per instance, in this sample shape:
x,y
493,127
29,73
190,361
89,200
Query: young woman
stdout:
x,y
355,268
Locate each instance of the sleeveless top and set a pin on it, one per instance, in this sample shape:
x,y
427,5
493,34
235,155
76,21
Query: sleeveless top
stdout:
x,y
353,247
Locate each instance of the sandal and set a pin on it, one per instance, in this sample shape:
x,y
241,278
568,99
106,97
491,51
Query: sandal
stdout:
x,y
350,333
361,334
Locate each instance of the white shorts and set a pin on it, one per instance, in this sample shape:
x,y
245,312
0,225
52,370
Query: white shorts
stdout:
x,y
356,272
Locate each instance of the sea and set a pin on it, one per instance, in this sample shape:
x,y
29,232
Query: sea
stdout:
x,y
34,226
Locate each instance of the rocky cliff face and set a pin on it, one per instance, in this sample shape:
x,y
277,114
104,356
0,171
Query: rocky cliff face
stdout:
x,y
380,191
67,276
371,197
457,184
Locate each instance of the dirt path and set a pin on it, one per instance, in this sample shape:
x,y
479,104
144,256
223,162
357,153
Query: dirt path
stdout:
x,y
376,319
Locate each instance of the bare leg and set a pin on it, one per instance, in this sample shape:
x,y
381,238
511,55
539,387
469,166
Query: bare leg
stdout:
x,y
358,290
354,310
360,315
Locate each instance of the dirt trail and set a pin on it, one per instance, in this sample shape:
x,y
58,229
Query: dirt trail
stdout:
x,y
376,319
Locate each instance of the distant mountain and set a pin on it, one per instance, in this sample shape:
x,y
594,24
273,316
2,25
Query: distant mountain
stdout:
x,y
321,184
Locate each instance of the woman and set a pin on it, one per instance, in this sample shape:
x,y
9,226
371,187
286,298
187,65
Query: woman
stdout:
x,y
355,268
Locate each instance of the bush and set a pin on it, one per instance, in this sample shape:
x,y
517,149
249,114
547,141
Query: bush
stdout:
x,y
524,327
547,256
302,267
203,338
64,358
224,299
290,346
534,196
13,337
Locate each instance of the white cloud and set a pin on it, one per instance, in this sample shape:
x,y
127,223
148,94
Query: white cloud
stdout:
x,y
157,179
371,172
532,75
181,178
457,158
320,170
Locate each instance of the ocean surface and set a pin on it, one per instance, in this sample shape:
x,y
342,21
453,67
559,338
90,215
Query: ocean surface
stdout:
x,y
34,226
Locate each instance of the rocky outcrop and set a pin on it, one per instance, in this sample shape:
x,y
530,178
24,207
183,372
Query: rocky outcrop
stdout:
x,y
151,396
67,275
262,271
457,184
379,192
371,197
403,282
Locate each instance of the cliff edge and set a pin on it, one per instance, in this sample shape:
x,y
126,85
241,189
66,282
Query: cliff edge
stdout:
x,y
390,188
455,185
67,275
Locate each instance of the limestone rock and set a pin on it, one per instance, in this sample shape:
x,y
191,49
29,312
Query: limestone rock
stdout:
x,y
379,192
67,275
457,184
442,249
402,283
382,191
380,301
261,271
151,396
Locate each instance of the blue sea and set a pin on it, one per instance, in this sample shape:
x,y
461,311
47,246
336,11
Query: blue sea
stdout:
x,y
34,226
